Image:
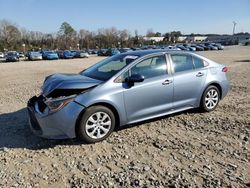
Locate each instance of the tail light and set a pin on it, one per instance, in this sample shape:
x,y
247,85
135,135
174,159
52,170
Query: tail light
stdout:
x,y
225,69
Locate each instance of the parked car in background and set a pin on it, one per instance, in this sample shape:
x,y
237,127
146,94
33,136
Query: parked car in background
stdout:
x,y
170,47
12,56
60,54
198,48
123,50
21,54
182,47
90,51
34,56
203,46
49,55
212,47
2,55
112,51
189,47
67,54
102,52
124,89
73,52
218,45
81,54
244,42
43,52
135,49
94,51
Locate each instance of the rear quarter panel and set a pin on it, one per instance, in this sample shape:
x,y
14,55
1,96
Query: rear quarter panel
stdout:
x,y
217,76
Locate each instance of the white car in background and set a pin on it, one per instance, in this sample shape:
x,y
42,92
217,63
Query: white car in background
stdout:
x,y
1,55
82,54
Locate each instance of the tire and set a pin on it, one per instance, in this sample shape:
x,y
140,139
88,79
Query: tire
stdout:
x,y
92,127
210,99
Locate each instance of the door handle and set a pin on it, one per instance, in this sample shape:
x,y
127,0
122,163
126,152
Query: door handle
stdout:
x,y
200,74
166,82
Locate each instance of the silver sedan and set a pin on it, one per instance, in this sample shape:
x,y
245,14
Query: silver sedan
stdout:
x,y
125,89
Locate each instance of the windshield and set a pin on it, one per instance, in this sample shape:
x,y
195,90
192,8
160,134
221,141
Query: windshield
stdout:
x,y
35,53
50,52
108,67
11,53
67,52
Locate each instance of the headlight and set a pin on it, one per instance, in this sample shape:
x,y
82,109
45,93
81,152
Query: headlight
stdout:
x,y
57,104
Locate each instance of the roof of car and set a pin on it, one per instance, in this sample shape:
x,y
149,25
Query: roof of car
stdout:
x,y
147,52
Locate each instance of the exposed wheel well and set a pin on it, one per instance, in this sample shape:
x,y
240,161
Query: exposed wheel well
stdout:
x,y
112,108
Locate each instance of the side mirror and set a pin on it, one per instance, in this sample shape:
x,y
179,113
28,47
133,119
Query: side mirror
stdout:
x,y
134,78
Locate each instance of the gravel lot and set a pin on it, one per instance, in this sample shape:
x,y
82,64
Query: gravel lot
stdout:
x,y
188,149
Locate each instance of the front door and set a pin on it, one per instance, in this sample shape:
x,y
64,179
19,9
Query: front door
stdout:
x,y
154,95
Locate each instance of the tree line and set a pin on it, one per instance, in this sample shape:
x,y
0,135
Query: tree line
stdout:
x,y
13,37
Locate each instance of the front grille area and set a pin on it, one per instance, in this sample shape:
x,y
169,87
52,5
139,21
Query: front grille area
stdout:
x,y
41,105
34,123
39,101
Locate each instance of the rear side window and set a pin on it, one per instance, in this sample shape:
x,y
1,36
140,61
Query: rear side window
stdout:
x,y
198,63
182,62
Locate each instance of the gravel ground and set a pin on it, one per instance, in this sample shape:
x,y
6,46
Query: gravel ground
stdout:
x,y
188,149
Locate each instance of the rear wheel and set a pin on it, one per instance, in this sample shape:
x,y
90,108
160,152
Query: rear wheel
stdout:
x,y
210,98
97,124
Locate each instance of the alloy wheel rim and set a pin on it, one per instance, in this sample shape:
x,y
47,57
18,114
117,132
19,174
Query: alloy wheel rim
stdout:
x,y
211,99
98,125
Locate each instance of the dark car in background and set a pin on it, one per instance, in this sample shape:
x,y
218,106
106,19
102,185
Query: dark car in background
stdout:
x,y
73,52
102,52
123,50
67,54
197,47
212,47
60,54
135,49
12,56
189,47
203,46
218,45
93,51
112,51
182,47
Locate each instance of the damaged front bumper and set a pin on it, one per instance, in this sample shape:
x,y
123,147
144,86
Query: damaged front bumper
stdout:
x,y
57,125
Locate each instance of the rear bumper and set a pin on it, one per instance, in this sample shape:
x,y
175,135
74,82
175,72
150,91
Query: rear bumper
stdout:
x,y
225,88
52,58
59,125
68,57
36,58
12,59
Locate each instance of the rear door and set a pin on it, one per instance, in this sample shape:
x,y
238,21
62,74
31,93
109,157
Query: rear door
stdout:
x,y
189,76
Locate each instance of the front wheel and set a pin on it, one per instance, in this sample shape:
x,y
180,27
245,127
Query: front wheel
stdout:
x,y
210,99
97,123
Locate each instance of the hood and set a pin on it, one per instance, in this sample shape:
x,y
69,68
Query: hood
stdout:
x,y
67,81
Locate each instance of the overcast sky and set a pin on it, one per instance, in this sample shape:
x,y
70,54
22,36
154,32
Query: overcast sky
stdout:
x,y
187,16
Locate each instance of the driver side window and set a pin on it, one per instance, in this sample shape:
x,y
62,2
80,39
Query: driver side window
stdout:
x,y
151,67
